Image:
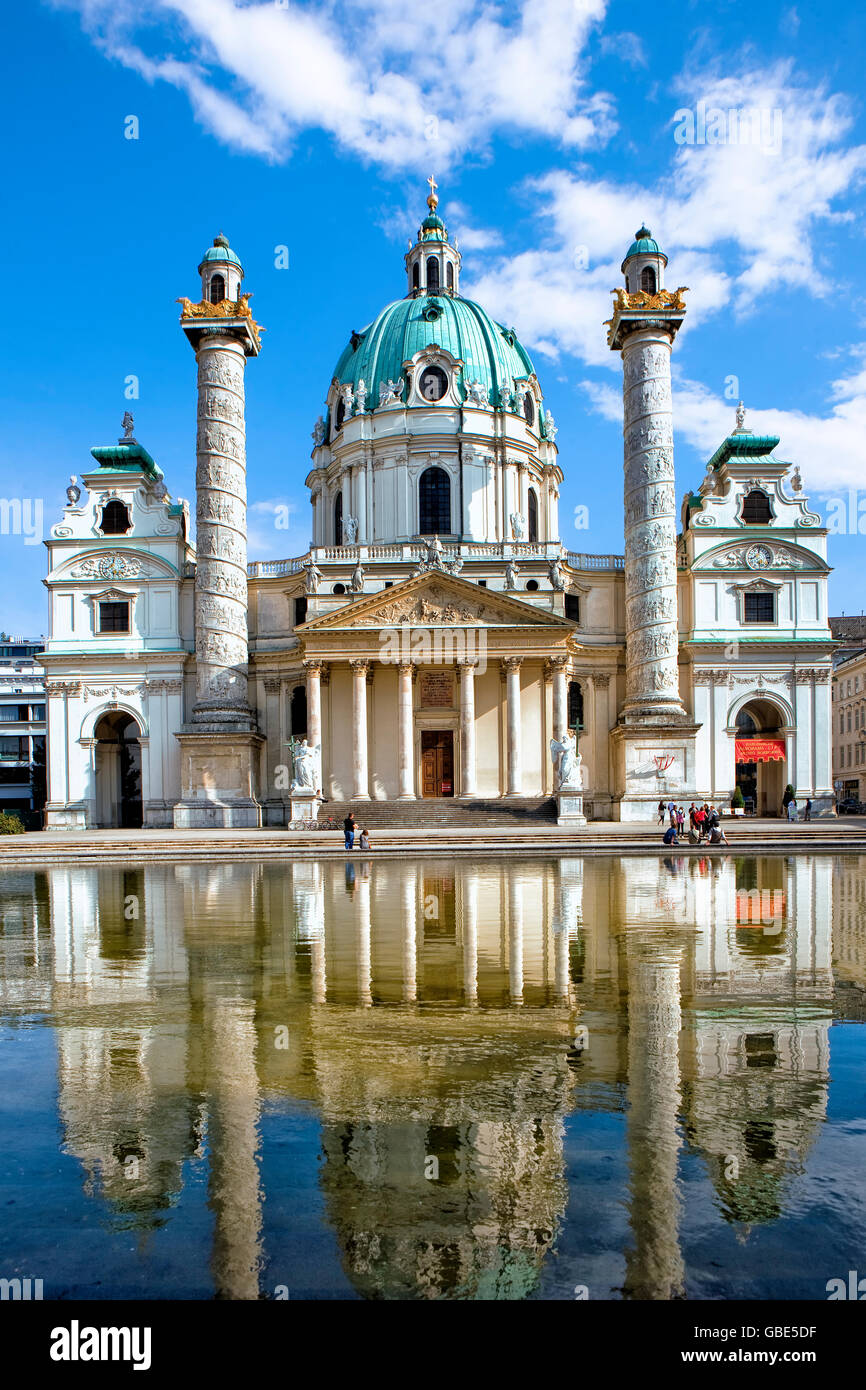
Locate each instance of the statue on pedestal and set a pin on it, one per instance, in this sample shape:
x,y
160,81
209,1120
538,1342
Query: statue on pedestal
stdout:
x,y
567,763
305,771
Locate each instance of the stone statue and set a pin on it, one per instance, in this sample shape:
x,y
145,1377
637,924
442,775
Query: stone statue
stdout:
x,y
518,526
557,581
550,427
476,394
519,397
127,424
434,554
73,492
357,584
741,416
567,763
361,397
390,391
350,530
511,573
312,578
318,435
796,480
348,399
455,565
305,759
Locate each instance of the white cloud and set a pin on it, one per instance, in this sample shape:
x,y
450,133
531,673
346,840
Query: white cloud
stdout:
x,y
379,77
828,448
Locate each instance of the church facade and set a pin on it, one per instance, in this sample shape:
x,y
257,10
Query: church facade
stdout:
x,y
438,639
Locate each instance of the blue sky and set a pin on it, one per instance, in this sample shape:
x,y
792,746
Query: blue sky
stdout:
x,y
551,128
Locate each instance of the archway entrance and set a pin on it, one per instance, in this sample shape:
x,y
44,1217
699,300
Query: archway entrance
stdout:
x,y
761,757
118,772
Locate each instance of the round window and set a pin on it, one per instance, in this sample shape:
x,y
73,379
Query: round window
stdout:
x,y
433,384
339,588
532,585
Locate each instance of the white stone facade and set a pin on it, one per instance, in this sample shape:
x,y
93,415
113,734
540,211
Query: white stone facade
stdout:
x,y
426,662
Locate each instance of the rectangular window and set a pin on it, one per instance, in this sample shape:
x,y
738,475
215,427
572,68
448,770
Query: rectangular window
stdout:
x,y
300,611
572,607
114,617
37,712
759,608
14,750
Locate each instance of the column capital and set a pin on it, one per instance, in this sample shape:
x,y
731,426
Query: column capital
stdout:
x,y
409,666
466,663
359,664
272,685
600,679
555,665
511,663
314,667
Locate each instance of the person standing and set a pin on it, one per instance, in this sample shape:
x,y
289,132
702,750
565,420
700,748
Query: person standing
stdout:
x,y
792,810
349,830
661,813
692,809
672,814
807,810
681,820
700,821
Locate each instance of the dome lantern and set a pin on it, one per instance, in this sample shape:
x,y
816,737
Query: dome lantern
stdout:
x,y
644,264
432,263
221,271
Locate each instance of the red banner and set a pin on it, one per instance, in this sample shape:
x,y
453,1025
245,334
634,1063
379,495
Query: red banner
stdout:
x,y
759,750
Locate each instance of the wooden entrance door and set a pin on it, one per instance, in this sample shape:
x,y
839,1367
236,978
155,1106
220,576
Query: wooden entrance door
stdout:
x,y
437,762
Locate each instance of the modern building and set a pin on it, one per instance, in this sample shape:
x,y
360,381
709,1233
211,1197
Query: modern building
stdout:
x,y
849,726
437,637
23,770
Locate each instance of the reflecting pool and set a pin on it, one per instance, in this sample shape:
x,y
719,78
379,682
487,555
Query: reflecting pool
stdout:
x,y
430,1078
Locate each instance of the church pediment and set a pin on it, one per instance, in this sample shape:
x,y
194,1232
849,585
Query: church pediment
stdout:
x,y
760,555
436,600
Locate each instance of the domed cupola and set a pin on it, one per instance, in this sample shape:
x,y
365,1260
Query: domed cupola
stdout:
x,y
644,264
432,263
221,271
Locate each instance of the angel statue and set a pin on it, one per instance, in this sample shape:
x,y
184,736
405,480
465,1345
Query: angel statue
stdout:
x,y
350,530
305,759
567,763
518,526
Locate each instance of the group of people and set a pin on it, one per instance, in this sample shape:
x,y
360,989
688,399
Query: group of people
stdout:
x,y
705,824
350,825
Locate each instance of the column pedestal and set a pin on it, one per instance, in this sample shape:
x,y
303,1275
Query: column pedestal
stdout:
x,y
218,780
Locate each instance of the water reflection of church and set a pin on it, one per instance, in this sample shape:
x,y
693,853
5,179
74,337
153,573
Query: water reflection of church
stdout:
x,y
436,1010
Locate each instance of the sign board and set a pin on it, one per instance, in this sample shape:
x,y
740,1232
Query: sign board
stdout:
x,y
437,690
759,750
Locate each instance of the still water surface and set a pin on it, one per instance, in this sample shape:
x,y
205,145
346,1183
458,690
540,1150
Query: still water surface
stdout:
x,y
414,1078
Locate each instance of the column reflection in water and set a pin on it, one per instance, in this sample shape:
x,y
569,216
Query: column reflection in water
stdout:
x,y
409,900
443,1122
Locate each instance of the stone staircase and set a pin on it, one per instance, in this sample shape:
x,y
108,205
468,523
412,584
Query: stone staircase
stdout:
x,y
444,813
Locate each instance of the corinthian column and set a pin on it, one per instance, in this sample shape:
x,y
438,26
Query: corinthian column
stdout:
x,y
512,695
466,671
360,776
405,742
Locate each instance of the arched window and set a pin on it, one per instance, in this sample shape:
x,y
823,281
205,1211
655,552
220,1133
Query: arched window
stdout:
x,y
648,279
115,519
529,409
449,276
341,413
756,508
575,705
532,515
298,712
338,519
627,285
217,289
434,502
416,275
432,275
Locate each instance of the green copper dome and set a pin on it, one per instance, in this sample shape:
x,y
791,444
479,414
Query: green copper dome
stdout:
x,y
644,244
221,251
491,353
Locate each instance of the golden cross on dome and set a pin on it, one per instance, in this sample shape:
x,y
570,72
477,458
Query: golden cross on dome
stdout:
x,y
432,200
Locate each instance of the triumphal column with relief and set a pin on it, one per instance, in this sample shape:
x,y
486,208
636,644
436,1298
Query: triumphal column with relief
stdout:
x,y
220,745
654,749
